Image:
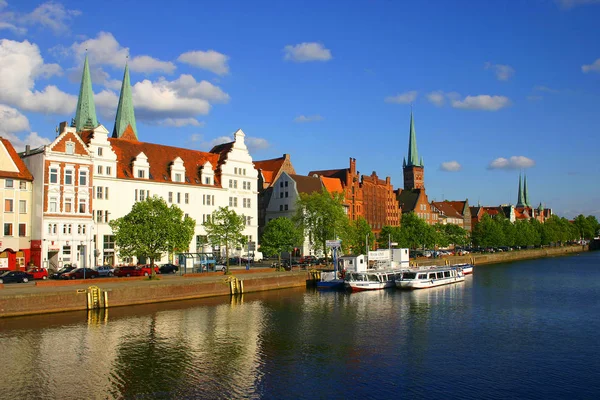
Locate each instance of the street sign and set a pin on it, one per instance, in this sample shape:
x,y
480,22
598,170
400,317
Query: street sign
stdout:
x,y
333,243
251,246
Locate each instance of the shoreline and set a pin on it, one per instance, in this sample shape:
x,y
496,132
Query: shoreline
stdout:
x,y
61,296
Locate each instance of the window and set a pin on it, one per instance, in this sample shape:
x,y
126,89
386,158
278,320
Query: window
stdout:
x,y
82,206
244,171
82,178
22,206
79,229
235,170
281,207
106,193
286,193
170,197
285,207
8,230
53,204
177,177
178,198
142,195
281,195
246,203
233,202
106,214
68,177
186,215
187,198
100,168
235,184
286,183
281,184
207,181
8,205
68,205
108,170
141,173
53,175
9,183
23,185
98,215
231,183
66,250
66,229
136,194
99,192
70,148
99,151
109,242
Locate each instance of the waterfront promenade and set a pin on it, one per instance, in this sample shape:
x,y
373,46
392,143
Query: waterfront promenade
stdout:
x,y
59,296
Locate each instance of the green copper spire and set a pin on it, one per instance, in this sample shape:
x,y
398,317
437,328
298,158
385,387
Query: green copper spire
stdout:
x,y
85,115
521,198
525,194
413,154
125,115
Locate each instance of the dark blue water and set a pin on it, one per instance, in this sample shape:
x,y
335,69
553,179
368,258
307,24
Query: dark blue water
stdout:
x,y
526,330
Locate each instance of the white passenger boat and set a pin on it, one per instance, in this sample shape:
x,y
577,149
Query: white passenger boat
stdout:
x,y
371,279
466,268
427,277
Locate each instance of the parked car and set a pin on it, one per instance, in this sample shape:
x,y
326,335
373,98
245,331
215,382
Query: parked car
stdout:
x,y
105,270
308,260
128,270
58,274
15,276
220,267
38,273
80,273
147,270
168,269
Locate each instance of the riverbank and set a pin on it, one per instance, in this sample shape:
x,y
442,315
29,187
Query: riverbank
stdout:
x,y
59,296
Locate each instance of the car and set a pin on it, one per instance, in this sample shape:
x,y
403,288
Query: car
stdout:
x,y
168,268
127,270
308,260
38,273
147,270
60,272
81,273
105,270
15,276
220,267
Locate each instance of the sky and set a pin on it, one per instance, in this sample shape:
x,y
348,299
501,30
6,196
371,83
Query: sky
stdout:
x,y
497,88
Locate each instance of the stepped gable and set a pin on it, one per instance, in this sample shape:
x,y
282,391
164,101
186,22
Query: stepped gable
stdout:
x,y
307,184
333,185
21,171
160,158
222,150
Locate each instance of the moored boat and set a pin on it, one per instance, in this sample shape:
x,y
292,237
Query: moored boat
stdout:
x,y
466,268
330,281
430,277
371,280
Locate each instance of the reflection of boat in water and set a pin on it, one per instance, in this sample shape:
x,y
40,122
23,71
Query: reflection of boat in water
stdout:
x,y
329,281
430,277
371,280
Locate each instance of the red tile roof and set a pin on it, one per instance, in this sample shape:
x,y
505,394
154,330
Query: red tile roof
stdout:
x,y
272,165
160,158
446,208
333,185
23,172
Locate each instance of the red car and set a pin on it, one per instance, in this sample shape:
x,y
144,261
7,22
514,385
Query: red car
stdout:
x,y
38,273
147,271
128,270
81,273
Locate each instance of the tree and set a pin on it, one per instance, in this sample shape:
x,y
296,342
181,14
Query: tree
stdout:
x,y
152,228
321,215
358,235
279,235
225,227
416,232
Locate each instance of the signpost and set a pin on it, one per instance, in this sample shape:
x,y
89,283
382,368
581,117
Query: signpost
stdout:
x,y
334,245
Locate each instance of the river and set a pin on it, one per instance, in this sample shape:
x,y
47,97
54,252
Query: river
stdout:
x,y
526,330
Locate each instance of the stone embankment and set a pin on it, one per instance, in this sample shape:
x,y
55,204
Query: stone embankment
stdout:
x,y
58,296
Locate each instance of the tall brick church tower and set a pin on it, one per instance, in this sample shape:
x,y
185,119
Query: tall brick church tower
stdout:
x,y
413,170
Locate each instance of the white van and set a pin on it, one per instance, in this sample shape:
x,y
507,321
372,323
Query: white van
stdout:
x,y
255,256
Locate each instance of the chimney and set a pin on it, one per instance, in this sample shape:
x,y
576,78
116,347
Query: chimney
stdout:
x,y
61,127
27,149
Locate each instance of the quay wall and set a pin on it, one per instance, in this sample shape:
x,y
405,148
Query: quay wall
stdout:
x,y
127,292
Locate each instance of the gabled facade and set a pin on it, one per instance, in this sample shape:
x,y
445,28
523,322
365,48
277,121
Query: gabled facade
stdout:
x,y
416,201
462,207
447,214
16,199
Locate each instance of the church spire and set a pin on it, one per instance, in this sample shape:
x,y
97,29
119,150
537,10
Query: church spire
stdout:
x,y
525,194
85,115
125,120
413,154
521,198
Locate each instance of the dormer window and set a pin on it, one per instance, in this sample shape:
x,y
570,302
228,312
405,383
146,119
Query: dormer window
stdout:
x,y
70,147
177,170
207,175
178,178
141,173
141,168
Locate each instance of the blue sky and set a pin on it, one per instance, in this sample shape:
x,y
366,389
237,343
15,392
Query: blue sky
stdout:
x,y
497,87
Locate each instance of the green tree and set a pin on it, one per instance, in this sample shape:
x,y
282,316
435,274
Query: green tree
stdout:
x,y
279,235
416,233
487,232
455,235
152,228
358,235
225,227
321,216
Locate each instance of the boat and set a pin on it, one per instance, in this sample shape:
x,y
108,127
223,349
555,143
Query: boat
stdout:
x,y
371,279
427,277
466,268
330,281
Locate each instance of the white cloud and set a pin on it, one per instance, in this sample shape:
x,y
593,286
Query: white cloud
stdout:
x,y
503,72
568,4
179,122
11,120
402,98
481,102
187,86
20,65
595,67
12,27
51,15
209,60
305,52
310,118
256,144
436,98
105,50
450,166
514,162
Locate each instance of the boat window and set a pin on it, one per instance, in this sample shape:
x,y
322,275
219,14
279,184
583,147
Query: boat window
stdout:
x,y
447,274
440,275
373,278
432,275
422,276
409,275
